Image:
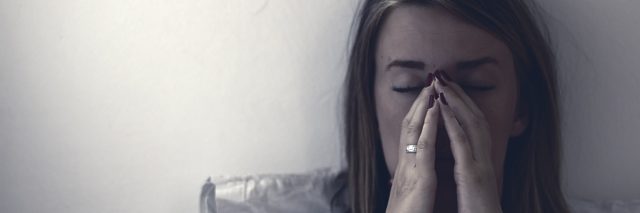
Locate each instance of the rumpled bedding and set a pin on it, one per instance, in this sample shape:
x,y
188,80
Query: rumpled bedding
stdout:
x,y
613,206
321,191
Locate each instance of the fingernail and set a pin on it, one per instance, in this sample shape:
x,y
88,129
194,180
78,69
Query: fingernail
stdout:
x,y
431,100
437,96
445,75
443,99
429,79
439,77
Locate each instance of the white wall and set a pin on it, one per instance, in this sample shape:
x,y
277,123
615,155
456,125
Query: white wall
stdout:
x,y
599,56
127,106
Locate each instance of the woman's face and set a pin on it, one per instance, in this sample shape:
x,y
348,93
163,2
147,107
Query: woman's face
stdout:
x,y
417,40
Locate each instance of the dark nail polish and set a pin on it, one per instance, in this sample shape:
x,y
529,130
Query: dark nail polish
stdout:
x,y
431,100
437,96
444,74
429,79
444,100
439,77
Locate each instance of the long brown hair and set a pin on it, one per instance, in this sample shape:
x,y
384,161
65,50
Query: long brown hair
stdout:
x,y
531,182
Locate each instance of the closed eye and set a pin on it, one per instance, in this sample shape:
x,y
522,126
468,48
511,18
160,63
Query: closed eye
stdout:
x,y
407,89
477,88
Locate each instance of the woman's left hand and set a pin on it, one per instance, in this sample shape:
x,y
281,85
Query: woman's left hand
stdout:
x,y
470,139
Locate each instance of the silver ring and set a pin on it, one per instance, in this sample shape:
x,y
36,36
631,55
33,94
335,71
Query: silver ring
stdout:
x,y
411,148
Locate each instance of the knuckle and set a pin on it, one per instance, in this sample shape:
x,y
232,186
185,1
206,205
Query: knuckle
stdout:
x,y
411,184
411,128
477,176
421,144
471,177
460,136
406,122
403,185
477,179
425,144
451,115
427,123
427,182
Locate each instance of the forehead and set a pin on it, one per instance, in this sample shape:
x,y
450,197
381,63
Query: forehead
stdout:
x,y
431,33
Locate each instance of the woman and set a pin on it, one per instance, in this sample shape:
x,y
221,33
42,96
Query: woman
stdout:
x,y
451,107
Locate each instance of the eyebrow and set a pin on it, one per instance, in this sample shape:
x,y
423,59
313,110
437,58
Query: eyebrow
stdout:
x,y
470,64
462,65
411,64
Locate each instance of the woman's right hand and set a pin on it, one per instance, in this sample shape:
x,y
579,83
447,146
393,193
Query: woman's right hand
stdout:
x,y
414,183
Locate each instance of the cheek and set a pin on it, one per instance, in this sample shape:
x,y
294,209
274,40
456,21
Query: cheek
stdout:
x,y
391,109
499,110
498,117
390,116
390,113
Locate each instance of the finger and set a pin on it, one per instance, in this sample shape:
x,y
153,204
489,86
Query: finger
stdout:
x,y
459,107
460,146
475,127
425,157
412,124
412,110
460,92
